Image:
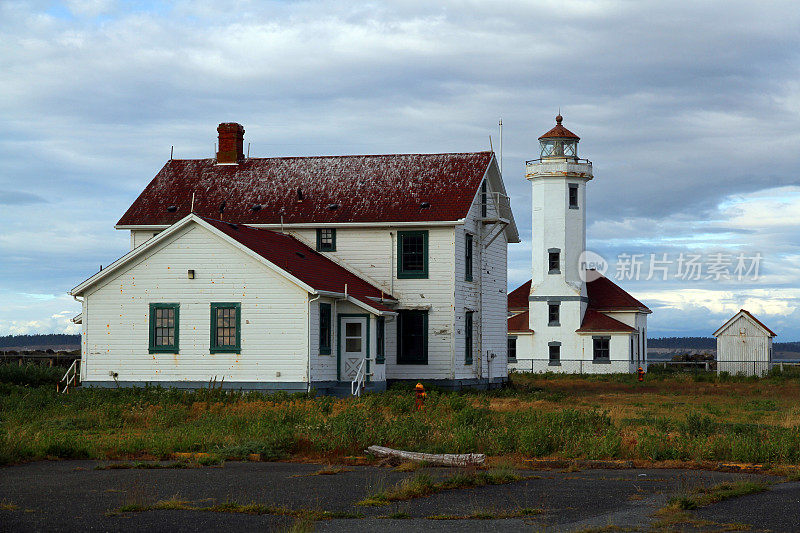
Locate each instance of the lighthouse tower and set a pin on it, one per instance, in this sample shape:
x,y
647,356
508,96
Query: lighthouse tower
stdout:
x,y
558,296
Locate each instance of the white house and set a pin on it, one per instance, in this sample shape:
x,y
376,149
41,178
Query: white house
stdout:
x,y
744,345
569,318
299,272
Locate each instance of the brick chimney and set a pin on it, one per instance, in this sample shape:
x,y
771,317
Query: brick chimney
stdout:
x,y
231,143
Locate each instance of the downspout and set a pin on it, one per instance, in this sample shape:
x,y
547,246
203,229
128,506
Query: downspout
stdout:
x,y
391,262
84,316
308,338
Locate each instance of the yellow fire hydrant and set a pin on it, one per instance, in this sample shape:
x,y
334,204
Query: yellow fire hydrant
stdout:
x,y
420,400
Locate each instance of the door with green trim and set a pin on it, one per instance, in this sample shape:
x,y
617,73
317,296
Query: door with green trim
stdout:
x,y
353,346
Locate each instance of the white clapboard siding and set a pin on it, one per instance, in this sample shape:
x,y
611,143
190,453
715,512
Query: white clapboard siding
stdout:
x,y
744,348
372,253
485,295
274,321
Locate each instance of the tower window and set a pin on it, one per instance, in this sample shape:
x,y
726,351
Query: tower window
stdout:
x,y
601,349
554,349
326,240
554,261
553,314
573,197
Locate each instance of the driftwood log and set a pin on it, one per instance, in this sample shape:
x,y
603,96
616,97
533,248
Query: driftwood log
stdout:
x,y
449,459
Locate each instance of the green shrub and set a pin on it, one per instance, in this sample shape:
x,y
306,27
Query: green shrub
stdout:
x,y
30,374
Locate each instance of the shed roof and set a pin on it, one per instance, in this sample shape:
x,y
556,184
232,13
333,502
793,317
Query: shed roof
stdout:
x,y
748,314
325,189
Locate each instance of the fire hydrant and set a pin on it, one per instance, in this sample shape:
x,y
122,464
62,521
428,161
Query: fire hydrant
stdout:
x,y
640,372
420,400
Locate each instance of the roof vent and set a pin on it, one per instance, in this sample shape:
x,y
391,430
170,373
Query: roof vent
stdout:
x,y
256,207
233,226
172,208
222,206
301,256
425,205
299,194
333,207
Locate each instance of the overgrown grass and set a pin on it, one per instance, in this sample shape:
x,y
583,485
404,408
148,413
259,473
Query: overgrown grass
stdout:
x,y
177,504
30,374
704,496
423,484
673,417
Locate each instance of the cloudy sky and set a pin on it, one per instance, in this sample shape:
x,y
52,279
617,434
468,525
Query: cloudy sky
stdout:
x,y
690,112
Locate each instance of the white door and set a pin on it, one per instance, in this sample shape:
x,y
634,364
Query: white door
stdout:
x,y
353,347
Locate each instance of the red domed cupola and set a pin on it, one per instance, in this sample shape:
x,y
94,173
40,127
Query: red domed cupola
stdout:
x,y
559,142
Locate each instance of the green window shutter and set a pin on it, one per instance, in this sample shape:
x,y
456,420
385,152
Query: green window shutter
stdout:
x,y
325,329
468,249
226,327
380,339
468,348
412,254
164,328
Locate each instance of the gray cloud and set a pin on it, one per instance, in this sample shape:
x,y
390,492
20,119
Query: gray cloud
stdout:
x,y
679,106
19,198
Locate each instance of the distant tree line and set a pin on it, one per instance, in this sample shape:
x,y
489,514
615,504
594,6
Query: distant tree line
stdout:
x,y
50,339
708,343
697,343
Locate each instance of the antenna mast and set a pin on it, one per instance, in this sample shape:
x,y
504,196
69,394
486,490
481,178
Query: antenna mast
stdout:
x,y
501,144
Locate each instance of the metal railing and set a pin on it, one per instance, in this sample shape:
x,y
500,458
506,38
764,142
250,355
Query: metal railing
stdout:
x,y
501,203
70,378
357,385
600,366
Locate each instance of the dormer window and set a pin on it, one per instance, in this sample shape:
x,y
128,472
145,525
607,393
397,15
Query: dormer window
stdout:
x,y
326,240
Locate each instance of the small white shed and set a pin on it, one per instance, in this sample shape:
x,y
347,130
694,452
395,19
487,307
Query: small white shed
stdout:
x,y
744,346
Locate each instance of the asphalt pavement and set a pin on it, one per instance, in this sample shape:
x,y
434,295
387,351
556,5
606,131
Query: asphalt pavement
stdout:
x,y
75,495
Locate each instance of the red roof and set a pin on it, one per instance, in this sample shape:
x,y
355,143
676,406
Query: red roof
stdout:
x,y
559,132
605,295
519,323
302,262
595,321
325,189
518,298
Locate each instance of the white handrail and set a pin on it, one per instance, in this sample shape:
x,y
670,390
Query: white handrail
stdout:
x,y
357,385
70,377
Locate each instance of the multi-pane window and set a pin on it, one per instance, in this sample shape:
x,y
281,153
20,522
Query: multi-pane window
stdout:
x,y
600,348
326,240
468,257
412,254
380,339
553,314
225,327
164,328
325,329
554,262
468,320
573,197
512,349
412,337
555,353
